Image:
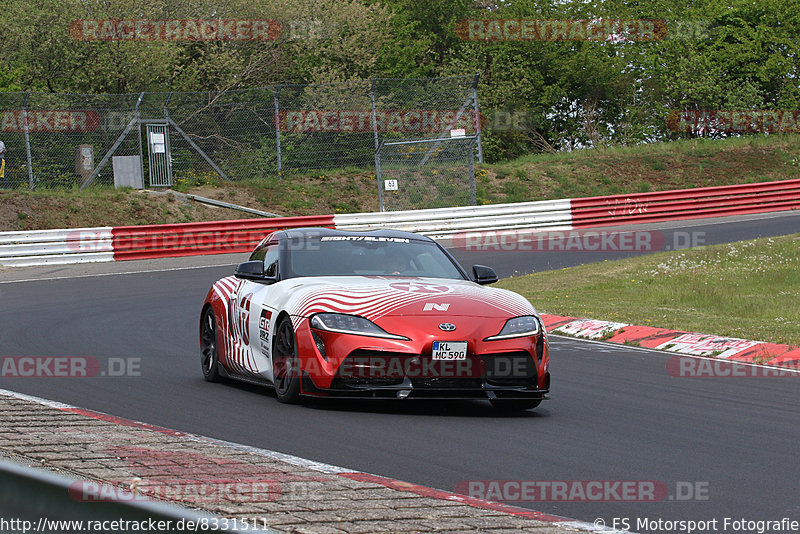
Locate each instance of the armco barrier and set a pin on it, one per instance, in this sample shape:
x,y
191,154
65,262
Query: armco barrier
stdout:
x,y
219,237
686,204
192,239
39,247
550,214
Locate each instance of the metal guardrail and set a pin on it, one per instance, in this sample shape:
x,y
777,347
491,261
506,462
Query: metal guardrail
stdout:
x,y
39,247
34,500
219,237
697,203
221,204
192,239
550,214
81,245
565,214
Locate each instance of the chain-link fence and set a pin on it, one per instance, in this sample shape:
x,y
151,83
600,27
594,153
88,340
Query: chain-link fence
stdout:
x,y
426,173
58,140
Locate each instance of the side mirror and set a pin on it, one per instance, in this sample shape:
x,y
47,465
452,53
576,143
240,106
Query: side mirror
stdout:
x,y
483,275
250,270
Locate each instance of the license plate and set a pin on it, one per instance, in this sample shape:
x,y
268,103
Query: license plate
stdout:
x,y
449,350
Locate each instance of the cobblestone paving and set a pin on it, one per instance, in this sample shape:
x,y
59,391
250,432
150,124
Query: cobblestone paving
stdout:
x,y
111,455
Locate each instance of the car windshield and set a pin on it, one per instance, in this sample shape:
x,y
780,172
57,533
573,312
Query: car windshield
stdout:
x,y
366,256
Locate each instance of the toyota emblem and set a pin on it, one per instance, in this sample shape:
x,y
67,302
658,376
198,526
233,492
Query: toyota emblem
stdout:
x,y
447,327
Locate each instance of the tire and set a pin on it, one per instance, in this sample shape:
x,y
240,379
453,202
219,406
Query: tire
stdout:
x,y
515,405
209,348
285,363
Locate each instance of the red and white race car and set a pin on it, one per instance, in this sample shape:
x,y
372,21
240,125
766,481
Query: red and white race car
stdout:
x,y
381,314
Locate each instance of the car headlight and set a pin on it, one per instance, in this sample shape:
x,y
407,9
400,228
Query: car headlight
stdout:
x,y
527,325
350,324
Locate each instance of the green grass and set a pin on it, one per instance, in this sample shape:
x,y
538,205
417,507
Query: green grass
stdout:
x,y
96,206
590,172
748,289
636,169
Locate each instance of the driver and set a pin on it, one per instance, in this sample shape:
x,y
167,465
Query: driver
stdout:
x,y
395,262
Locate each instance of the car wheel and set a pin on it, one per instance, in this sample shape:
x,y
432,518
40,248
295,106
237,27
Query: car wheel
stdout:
x,y
285,363
209,351
508,405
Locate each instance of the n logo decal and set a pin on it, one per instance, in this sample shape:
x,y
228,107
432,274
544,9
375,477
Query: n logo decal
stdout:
x,y
438,307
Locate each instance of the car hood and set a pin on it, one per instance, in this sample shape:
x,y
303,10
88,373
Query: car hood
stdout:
x,y
375,296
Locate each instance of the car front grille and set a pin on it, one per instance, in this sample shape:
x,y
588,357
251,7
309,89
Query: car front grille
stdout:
x,y
510,369
365,369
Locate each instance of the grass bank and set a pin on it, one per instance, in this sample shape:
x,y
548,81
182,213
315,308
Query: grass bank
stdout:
x,y
748,289
591,172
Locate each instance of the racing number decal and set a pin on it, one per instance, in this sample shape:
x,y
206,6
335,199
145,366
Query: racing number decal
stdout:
x,y
263,331
241,317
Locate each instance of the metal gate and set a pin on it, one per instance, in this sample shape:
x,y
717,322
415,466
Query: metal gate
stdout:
x,y
159,156
426,173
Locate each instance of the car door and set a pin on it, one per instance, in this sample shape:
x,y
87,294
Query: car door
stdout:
x,y
253,316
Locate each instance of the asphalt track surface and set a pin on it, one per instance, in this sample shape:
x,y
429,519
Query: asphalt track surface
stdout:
x,y
616,414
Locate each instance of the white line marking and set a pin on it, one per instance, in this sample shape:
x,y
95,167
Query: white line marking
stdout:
x,y
274,455
673,354
39,400
117,274
288,458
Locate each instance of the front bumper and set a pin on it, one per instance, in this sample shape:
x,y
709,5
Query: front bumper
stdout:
x,y
408,390
357,366
378,374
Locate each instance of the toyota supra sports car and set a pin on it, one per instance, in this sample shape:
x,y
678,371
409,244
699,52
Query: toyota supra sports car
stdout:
x,y
317,312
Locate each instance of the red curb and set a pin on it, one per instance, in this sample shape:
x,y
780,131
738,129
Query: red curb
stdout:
x,y
554,321
389,483
125,422
646,336
764,353
650,337
789,359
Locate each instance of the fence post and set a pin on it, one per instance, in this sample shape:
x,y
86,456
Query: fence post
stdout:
x,y
378,174
138,118
31,183
472,172
278,130
477,117
378,145
166,106
374,117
